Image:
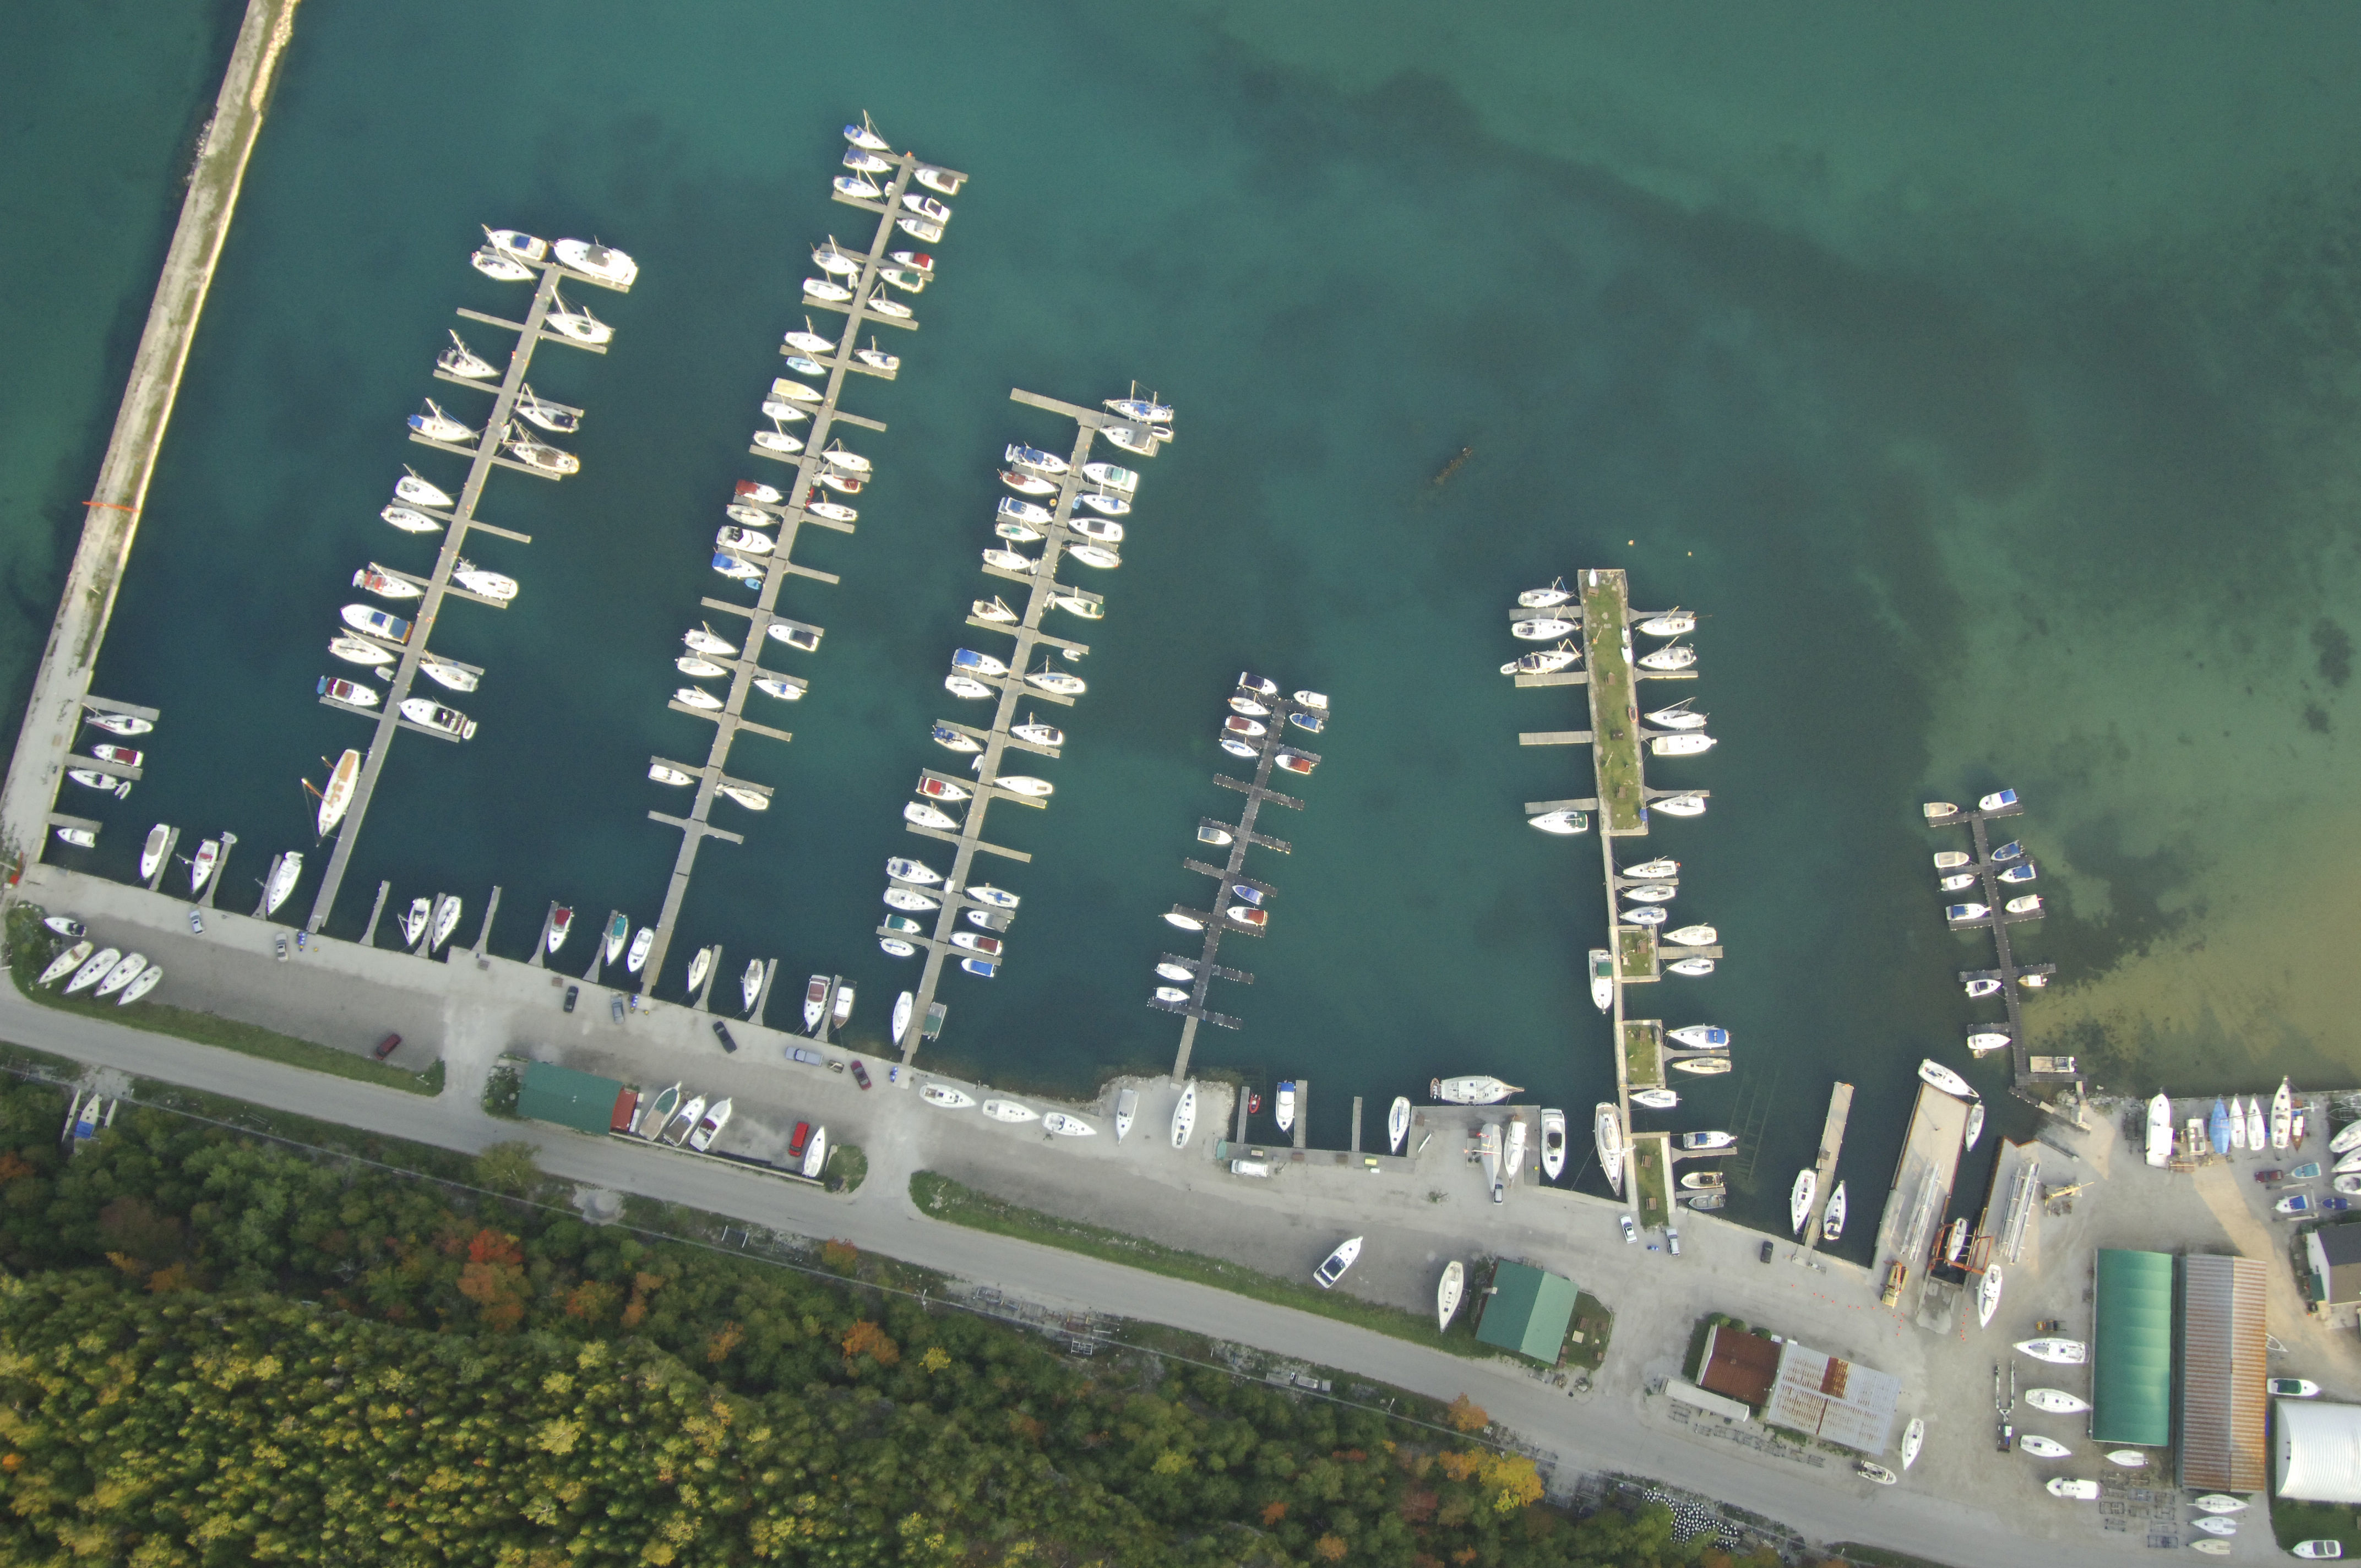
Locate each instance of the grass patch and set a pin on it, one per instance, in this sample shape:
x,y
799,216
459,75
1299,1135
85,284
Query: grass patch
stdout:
x,y
1615,746
941,1198
1879,1557
31,946
2293,1521
846,1169
1587,1335
1652,1180
1643,1054
1635,951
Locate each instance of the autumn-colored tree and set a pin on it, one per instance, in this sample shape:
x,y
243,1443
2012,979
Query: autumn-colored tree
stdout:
x,y
1465,1415
865,1338
1273,1512
722,1340
839,1256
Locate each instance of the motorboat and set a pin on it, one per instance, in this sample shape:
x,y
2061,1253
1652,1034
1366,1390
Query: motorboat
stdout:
x,y
1692,968
777,440
1674,622
2292,1388
1832,1220
374,578
1108,476
1988,1291
1244,727
1060,1123
926,207
1607,1134
696,697
2024,873
801,366
516,243
1096,528
1550,598
1057,682
2011,850
985,893
977,942
924,816
80,837
1288,761
2129,1458
488,585
94,969
1541,628
1563,821
917,261
1692,744
1332,1268
1651,893
1542,661
1038,733
1011,561
458,360
1447,1293
578,324
749,541
2029,904
1251,918
1870,1470
1184,920
1960,883
1984,1041
1999,800
1473,1089
758,494
682,1122
1977,989
2042,1447
1705,1141
1646,915
91,778
428,713
1656,1099
1943,1077
1075,603
1700,1036
334,798
500,267
1178,973
201,868
663,773
2057,1351
1957,912
909,282
1951,859
2257,1138
447,920
708,1126
1283,1105
1704,1181
1027,785
1975,1128
1026,483
145,982
151,853
122,724
1799,1198
2327,1549
2159,1132
1671,656
2282,1116
2078,1491
1680,716
1097,555
1685,805
1602,979
618,932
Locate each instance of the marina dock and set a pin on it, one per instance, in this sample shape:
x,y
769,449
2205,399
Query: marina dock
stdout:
x,y
2028,1070
1824,1164
1227,878
1610,677
789,517
995,739
482,458
1921,1192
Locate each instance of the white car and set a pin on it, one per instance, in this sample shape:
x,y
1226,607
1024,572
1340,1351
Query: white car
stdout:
x,y
1631,1230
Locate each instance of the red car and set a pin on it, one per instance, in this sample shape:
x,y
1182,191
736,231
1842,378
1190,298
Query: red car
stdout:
x,y
2268,1177
388,1046
860,1073
798,1140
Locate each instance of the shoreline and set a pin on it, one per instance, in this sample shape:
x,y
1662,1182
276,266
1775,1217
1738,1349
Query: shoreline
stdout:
x,y
52,713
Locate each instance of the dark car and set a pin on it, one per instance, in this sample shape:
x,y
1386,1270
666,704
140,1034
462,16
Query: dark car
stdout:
x,y
1766,1251
860,1073
573,995
799,1140
721,1033
388,1046
2268,1177
615,1008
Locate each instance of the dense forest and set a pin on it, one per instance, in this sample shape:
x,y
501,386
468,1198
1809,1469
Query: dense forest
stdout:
x,y
217,1350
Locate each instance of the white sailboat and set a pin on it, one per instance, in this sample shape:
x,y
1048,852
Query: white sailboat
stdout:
x,y
1398,1123
282,880
1799,1198
1448,1292
1608,1132
1184,1115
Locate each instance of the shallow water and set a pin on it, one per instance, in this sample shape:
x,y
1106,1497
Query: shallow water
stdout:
x,y
1990,403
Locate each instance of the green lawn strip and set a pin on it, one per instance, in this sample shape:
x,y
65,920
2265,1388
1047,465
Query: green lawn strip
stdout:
x,y
1643,1066
1616,741
1635,952
942,1197
1596,1324
2293,1521
31,946
847,1167
1649,1163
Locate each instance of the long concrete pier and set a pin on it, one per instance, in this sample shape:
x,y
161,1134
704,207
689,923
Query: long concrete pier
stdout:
x,y
996,740
1824,1164
54,714
482,457
1231,875
788,517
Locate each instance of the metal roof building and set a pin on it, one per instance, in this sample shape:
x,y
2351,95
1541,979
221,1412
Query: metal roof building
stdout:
x,y
1832,1398
1527,1312
2131,1377
581,1101
2332,1258
2224,1366
2319,1450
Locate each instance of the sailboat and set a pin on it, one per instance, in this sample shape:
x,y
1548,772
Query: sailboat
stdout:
x,y
1799,1198
1832,1226
1448,1292
447,920
1184,1115
413,923
201,868
339,793
749,984
2282,1115
699,967
1398,1123
1608,1134
282,882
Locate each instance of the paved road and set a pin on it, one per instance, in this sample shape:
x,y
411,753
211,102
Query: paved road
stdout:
x,y
1602,1436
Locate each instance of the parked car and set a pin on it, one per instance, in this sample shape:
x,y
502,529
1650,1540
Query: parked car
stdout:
x,y
388,1046
1631,1230
2268,1177
197,922
615,1008
281,944
1767,1246
798,1140
806,1056
2007,1437
860,1073
573,995
721,1033
1671,1241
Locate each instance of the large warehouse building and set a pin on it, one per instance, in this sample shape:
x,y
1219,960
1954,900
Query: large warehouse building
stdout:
x,y
2131,1377
2319,1451
2224,1364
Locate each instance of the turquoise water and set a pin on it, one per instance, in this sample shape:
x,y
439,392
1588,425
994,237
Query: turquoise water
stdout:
x,y
1966,391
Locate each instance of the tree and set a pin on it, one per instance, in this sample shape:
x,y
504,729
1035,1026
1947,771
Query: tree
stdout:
x,y
510,1167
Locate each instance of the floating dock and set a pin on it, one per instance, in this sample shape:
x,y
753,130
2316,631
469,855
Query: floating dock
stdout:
x,y
2028,1069
482,458
1921,1190
1824,1164
1228,878
968,841
730,720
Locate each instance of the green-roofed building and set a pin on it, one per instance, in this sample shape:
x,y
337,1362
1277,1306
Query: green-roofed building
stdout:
x,y
1527,1312
2131,1374
582,1100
